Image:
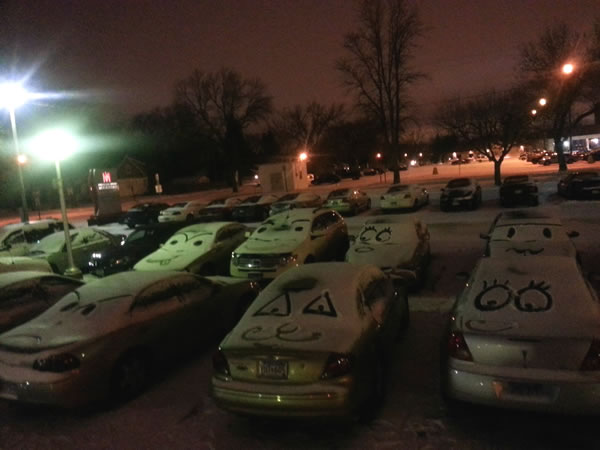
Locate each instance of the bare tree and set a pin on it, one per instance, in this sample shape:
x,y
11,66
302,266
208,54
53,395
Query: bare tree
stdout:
x,y
541,65
491,123
377,68
225,104
304,126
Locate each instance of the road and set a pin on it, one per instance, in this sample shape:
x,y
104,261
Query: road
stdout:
x,y
177,411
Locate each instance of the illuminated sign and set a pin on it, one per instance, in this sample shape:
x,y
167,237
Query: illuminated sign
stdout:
x,y
114,186
106,177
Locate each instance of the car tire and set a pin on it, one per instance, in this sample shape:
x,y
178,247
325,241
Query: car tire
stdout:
x,y
130,376
189,217
370,408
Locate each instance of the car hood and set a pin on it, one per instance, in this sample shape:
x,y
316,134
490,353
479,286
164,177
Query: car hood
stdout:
x,y
286,243
381,255
167,259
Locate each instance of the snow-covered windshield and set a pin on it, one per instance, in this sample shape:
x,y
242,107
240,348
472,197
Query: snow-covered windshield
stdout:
x,y
52,243
338,193
282,226
179,205
288,197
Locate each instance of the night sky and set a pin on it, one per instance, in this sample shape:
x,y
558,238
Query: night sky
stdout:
x,y
133,51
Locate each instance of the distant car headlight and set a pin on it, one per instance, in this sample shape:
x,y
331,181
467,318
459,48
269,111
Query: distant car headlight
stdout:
x,y
96,255
56,363
284,260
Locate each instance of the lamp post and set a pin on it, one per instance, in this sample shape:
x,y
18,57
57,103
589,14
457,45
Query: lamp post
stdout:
x,y
56,145
13,95
567,70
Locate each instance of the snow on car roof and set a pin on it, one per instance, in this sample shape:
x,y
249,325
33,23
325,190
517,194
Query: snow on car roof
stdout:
x,y
395,232
208,227
7,279
303,196
548,296
291,215
522,216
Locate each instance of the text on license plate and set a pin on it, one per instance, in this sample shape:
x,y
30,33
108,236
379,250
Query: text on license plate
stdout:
x,y
272,368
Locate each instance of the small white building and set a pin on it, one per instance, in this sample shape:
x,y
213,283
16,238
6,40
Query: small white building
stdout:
x,y
285,176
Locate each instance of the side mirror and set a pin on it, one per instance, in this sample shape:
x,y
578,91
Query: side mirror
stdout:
x,y
484,236
573,233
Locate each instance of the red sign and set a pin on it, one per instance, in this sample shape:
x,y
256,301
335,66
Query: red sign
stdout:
x,y
106,177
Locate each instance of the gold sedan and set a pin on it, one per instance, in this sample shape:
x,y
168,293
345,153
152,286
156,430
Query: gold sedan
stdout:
x,y
314,343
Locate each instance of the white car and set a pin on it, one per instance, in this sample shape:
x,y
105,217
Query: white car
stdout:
x,y
399,249
288,239
525,334
16,239
404,196
20,263
181,211
527,233
203,248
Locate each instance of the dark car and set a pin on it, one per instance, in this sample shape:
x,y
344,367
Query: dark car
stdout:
x,y
140,243
349,172
218,209
142,214
254,208
580,185
518,190
326,178
461,192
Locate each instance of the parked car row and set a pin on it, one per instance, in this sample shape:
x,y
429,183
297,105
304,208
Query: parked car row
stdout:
x,y
524,332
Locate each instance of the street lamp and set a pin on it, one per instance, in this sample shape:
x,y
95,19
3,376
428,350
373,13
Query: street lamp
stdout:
x,y
568,68
542,101
56,145
13,95
303,156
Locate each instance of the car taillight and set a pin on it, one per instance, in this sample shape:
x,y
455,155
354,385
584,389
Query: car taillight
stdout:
x,y
220,363
337,365
56,363
457,347
592,359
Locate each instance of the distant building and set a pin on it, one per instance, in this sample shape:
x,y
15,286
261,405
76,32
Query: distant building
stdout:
x,y
133,177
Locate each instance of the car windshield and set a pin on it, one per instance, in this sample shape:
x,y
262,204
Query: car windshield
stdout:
x,y
137,235
220,201
52,243
180,205
458,183
284,225
338,193
252,199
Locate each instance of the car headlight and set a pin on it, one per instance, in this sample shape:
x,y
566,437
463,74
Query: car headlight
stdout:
x,y
284,260
56,363
235,258
96,255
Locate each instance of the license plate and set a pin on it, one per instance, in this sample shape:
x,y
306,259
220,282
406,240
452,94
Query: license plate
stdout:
x,y
272,368
526,389
255,275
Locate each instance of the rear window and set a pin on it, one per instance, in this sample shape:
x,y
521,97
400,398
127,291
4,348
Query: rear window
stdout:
x,y
399,188
338,193
458,183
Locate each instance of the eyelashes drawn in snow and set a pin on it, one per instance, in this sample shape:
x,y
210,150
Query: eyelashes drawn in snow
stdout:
x,y
370,232
524,251
535,297
281,306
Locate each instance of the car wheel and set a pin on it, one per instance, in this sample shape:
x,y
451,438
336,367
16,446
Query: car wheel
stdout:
x,y
189,217
130,376
372,404
309,259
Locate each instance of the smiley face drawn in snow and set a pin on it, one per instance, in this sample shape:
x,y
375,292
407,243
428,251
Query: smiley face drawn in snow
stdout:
x,y
180,243
535,297
281,306
370,236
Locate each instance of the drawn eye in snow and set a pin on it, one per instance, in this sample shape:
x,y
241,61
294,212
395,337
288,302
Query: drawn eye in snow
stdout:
x,y
367,234
525,251
279,306
384,235
494,296
321,305
534,298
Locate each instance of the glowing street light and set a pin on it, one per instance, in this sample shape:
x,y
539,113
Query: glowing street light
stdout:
x,y
568,68
542,101
13,95
56,145
303,156
533,112
378,155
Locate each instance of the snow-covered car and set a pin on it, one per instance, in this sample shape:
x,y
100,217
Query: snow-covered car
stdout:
x,y
254,208
183,211
142,214
26,294
527,233
348,201
296,200
313,343
461,192
203,248
525,335
580,185
518,190
110,336
20,263
219,209
287,239
84,242
400,249
16,239
404,196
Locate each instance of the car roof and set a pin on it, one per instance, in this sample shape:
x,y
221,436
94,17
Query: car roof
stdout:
x,y
34,224
6,279
526,217
125,283
297,214
206,227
